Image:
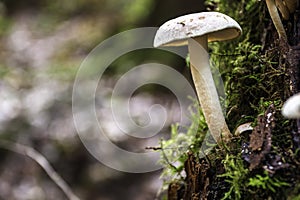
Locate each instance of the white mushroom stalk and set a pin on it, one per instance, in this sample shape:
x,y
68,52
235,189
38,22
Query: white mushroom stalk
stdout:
x,y
196,30
206,89
276,19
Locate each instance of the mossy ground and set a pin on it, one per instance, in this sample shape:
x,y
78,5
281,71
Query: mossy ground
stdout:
x,y
259,164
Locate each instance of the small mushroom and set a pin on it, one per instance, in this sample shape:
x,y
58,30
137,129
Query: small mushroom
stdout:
x,y
243,128
276,19
291,108
196,30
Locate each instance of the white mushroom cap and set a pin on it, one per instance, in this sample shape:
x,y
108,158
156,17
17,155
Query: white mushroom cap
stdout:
x,y
291,108
216,25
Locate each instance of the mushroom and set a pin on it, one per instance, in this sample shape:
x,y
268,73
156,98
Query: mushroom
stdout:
x,y
291,108
276,19
196,30
243,128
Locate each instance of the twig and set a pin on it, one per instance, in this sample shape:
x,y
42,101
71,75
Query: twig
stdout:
x,y
166,158
43,162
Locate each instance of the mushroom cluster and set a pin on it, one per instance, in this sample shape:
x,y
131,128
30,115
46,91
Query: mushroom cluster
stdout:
x,y
196,30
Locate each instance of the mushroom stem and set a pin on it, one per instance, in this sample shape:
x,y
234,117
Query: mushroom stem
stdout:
x,y
206,89
291,5
276,19
283,9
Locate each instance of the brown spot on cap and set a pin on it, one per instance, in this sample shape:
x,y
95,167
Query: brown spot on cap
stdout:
x,y
182,23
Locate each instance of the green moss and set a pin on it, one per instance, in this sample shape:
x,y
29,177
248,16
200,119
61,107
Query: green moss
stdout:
x,y
182,140
235,174
266,182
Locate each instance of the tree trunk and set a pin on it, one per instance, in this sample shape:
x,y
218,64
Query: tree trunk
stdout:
x,y
262,71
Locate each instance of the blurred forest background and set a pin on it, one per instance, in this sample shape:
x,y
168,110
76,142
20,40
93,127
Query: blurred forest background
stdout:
x,y
43,43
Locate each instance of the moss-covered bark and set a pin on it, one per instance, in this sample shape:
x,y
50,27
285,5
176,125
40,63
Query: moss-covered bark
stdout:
x,y
260,72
